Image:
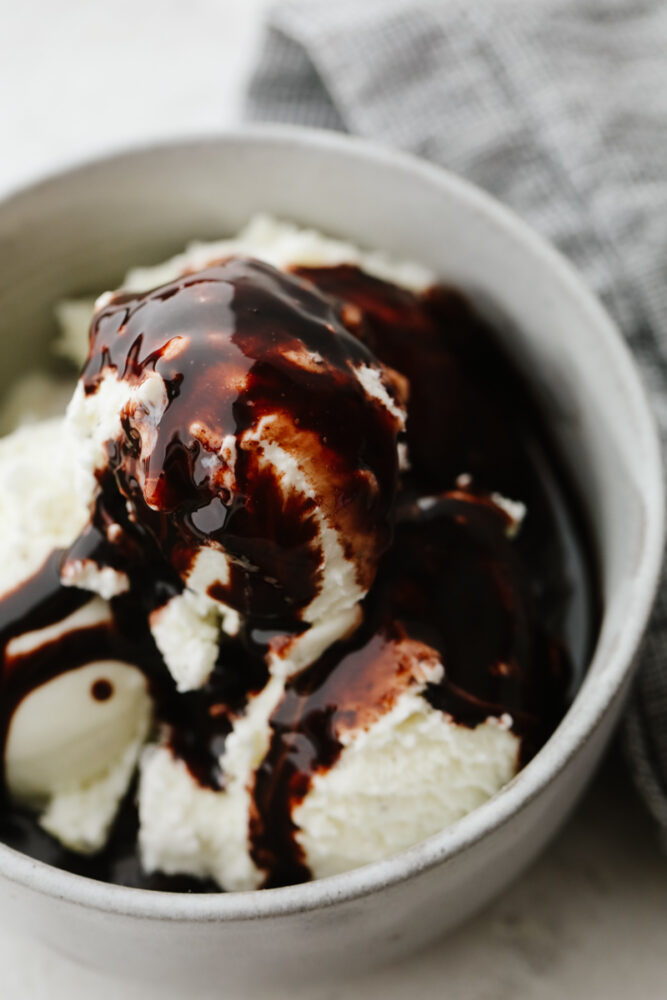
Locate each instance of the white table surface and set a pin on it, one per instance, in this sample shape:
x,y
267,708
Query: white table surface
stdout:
x,y
589,920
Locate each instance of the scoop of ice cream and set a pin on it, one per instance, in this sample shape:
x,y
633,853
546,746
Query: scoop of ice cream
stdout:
x,y
39,508
74,714
253,439
409,776
72,748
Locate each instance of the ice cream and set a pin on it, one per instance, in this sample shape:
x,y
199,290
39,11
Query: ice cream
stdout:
x,y
72,736
300,550
253,439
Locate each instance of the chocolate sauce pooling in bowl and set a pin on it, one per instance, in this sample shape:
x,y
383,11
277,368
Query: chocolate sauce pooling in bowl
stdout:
x,y
513,618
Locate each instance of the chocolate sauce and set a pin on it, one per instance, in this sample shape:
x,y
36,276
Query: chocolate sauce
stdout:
x,y
467,407
512,619
102,689
236,344
471,413
39,602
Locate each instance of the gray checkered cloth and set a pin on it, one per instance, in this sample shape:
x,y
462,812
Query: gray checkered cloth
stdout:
x,y
557,108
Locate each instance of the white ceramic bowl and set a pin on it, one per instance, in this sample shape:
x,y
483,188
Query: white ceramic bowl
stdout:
x,y
79,232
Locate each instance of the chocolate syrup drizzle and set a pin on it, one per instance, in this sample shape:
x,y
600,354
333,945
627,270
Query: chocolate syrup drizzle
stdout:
x,y
513,619
235,344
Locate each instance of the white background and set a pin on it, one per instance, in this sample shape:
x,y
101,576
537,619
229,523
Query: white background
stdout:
x,y
79,77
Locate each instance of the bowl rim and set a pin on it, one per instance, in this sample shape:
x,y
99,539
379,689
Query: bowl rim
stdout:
x,y
590,703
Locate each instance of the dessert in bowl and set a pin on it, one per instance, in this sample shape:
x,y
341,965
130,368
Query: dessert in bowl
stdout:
x,y
285,806
269,612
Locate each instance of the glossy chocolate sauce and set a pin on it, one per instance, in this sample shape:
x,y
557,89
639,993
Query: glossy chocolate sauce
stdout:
x,y
512,618
238,344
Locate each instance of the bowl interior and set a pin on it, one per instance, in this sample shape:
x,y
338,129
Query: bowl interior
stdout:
x,y
78,233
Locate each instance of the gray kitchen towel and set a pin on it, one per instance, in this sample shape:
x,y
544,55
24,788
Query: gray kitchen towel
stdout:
x,y
559,108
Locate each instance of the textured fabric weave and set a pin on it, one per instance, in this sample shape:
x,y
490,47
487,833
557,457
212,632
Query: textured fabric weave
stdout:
x,y
559,108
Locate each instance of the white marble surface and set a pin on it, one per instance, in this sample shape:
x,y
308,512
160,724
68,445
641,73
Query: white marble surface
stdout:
x,y
589,920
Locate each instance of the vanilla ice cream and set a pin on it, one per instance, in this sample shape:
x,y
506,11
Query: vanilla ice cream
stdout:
x,y
265,401
74,737
289,563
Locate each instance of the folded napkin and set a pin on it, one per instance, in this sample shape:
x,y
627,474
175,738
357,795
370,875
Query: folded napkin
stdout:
x,y
557,108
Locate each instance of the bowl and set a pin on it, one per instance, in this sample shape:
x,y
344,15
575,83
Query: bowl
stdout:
x,y
79,231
